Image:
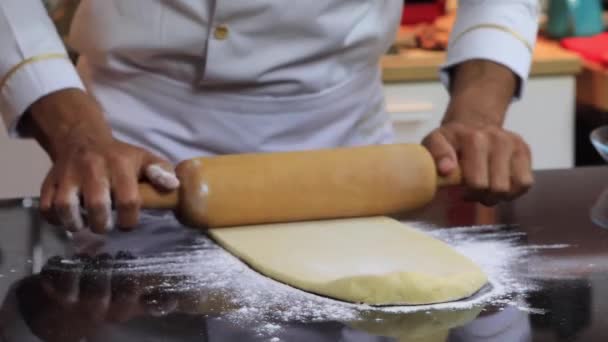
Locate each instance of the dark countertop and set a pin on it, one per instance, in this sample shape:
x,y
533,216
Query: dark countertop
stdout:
x,y
68,298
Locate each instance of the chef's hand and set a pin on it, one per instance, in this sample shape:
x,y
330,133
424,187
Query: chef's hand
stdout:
x,y
90,168
495,163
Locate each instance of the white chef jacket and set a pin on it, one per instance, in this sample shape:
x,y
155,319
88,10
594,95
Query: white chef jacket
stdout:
x,y
192,77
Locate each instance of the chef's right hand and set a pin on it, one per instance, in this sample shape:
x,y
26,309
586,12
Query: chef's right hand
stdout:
x,y
91,169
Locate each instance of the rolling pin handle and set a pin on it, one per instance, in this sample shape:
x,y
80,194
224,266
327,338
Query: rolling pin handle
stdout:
x,y
154,199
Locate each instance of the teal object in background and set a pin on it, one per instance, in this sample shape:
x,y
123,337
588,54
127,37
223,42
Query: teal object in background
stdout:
x,y
569,18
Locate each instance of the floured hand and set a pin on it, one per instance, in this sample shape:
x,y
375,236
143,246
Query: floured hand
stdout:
x,y
98,177
91,169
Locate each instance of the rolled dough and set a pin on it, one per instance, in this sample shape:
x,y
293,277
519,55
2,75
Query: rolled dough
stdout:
x,y
375,260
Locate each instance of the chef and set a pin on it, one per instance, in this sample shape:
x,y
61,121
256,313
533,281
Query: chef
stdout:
x,y
162,81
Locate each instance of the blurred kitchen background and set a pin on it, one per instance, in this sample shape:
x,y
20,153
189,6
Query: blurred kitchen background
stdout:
x,y
566,97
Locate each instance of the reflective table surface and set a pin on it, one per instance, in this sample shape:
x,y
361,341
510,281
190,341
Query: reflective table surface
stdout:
x,y
165,282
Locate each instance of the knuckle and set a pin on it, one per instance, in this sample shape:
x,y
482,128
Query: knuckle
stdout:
x,y
88,157
477,138
520,143
62,204
501,189
128,203
477,185
119,159
523,154
516,136
525,148
49,179
432,138
91,162
97,205
501,137
59,173
435,133
428,139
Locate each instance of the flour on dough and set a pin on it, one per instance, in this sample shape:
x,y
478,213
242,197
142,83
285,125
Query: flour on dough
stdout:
x,y
374,260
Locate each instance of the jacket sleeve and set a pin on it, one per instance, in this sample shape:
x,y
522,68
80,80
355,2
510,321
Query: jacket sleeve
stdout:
x,y
500,31
33,62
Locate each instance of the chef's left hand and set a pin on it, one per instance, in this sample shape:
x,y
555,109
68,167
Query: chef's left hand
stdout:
x,y
495,163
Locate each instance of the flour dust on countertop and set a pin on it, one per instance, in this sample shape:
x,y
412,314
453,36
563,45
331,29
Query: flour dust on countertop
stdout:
x,y
209,280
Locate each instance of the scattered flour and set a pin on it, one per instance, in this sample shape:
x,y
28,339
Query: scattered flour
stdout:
x,y
209,275
270,328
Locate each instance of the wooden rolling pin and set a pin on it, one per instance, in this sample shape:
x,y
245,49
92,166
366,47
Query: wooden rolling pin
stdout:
x,y
247,189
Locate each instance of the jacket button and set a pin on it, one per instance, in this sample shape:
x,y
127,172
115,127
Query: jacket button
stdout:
x,y
221,32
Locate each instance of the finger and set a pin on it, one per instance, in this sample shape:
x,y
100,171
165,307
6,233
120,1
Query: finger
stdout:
x,y
500,168
126,196
98,202
443,153
162,177
95,287
160,173
47,193
522,177
60,279
474,163
67,206
124,282
126,291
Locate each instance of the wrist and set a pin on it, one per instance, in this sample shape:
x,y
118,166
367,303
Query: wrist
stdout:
x,y
66,118
476,112
481,92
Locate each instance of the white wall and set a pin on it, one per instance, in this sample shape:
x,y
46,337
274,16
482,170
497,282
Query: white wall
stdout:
x,y
23,165
2,131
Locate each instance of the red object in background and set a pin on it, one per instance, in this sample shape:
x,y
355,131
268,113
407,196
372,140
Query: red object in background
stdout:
x,y
594,49
422,12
